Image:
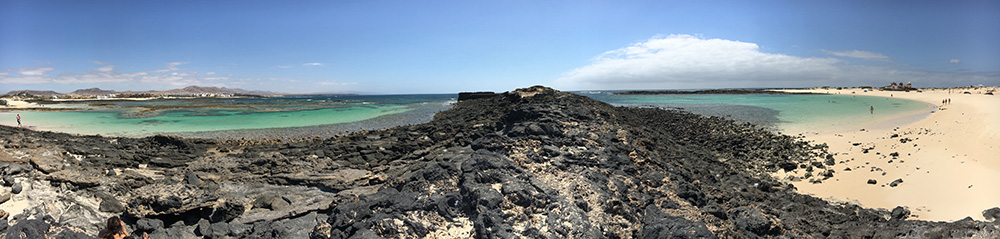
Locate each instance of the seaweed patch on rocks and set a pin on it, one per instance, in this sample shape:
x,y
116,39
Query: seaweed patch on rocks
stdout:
x,y
534,162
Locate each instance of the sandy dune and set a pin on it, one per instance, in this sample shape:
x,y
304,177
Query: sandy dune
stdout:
x,y
949,162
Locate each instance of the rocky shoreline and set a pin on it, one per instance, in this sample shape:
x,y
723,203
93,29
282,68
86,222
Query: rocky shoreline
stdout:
x,y
535,162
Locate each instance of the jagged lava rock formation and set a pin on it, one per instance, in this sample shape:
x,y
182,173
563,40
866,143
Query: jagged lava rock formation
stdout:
x,y
533,163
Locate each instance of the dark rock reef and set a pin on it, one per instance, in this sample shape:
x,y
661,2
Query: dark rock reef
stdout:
x,y
534,163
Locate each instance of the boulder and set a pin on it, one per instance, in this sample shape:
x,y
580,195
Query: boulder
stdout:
x,y
214,230
34,228
872,181
191,178
992,214
8,180
271,201
829,160
787,166
755,221
48,162
896,182
900,213
112,205
148,224
227,211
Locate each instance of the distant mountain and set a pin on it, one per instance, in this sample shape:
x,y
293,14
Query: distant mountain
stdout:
x,y
211,90
45,93
92,91
190,90
198,90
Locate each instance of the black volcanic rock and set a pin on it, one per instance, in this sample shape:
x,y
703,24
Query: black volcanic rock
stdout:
x,y
896,182
992,214
900,213
532,163
462,96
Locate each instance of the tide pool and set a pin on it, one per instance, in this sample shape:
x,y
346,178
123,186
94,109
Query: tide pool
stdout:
x,y
788,113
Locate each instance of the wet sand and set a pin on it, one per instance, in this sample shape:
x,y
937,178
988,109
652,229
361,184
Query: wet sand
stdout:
x,y
948,162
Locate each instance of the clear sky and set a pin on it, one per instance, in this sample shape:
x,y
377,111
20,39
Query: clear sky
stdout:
x,y
450,46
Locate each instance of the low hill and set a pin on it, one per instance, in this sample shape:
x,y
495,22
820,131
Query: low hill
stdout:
x,y
92,91
202,90
43,93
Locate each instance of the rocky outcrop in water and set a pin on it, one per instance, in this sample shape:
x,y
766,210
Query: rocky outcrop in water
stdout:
x,y
529,163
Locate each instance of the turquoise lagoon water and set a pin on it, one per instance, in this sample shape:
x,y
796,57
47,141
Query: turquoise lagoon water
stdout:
x,y
237,117
308,116
788,113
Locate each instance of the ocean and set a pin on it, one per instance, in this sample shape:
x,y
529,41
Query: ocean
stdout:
x,y
328,115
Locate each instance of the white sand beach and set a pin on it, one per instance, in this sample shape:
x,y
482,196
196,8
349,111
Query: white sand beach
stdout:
x,y
16,104
949,162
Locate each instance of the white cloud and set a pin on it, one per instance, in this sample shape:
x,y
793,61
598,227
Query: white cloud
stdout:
x,y
35,72
173,66
210,73
313,64
686,62
954,61
107,68
867,55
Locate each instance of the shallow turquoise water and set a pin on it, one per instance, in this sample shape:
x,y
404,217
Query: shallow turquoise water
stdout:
x,y
794,113
325,115
128,118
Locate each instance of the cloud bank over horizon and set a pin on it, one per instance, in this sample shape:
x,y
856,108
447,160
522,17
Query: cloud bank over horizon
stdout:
x,y
106,75
689,62
168,76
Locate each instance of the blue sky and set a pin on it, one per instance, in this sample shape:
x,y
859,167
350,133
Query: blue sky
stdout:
x,y
450,46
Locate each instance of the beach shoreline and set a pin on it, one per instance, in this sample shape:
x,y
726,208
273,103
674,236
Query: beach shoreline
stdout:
x,y
944,164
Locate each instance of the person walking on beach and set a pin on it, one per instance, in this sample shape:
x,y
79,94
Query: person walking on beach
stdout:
x,y
18,120
872,109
